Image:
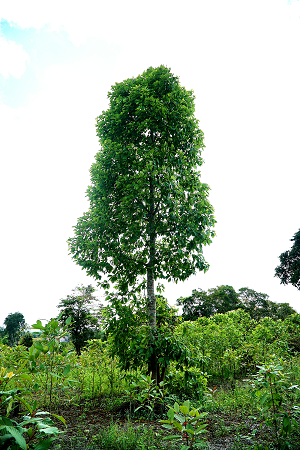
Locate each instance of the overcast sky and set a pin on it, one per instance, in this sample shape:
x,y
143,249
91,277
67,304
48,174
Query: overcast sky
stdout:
x,y
59,59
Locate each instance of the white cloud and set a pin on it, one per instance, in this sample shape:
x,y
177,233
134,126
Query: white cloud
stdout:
x,y
13,58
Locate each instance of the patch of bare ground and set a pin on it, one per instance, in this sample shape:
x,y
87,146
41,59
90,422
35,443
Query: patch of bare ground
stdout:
x,y
86,421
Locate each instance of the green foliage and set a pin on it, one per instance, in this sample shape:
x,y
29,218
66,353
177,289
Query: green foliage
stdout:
x,y
13,325
26,340
146,392
222,299
128,437
145,185
48,360
289,269
36,431
189,422
190,381
271,387
136,345
84,321
149,214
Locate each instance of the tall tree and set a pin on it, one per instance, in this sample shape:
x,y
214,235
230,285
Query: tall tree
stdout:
x,y
223,299
149,215
13,325
195,306
82,307
289,268
256,303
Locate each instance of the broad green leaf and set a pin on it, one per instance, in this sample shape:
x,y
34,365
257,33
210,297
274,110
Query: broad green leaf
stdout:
x,y
61,418
17,436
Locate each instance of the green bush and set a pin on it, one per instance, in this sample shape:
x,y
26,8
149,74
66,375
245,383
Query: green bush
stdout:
x,y
26,340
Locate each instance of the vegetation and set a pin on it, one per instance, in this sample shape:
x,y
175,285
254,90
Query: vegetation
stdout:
x,y
149,214
84,310
289,269
241,386
13,326
224,298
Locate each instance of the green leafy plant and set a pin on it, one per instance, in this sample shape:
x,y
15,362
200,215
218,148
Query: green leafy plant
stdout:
x,y
189,422
36,431
271,387
148,393
47,358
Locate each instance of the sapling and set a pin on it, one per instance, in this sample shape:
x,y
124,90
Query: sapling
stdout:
x,y
271,388
189,422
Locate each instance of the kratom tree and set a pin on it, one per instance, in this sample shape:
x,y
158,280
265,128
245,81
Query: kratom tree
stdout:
x,y
149,214
84,310
13,326
289,268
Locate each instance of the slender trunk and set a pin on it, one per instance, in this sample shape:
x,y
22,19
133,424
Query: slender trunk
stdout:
x,y
150,281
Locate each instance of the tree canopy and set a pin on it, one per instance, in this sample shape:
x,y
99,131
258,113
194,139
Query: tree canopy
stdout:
x,y
78,307
13,325
149,214
223,299
289,268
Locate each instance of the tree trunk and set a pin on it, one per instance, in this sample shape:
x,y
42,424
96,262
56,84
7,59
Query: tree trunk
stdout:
x,y
150,282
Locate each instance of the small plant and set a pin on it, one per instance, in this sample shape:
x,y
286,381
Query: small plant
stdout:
x,y
36,431
147,393
189,422
46,358
271,387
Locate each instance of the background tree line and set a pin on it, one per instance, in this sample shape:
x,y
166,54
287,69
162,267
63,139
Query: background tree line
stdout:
x,y
223,299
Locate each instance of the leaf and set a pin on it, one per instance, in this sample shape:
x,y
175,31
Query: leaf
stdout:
x,y
69,320
44,445
167,438
170,413
38,325
17,436
176,407
61,418
67,370
38,345
201,428
184,409
25,376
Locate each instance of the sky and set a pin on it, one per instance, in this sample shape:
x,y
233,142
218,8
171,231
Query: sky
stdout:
x,y
59,59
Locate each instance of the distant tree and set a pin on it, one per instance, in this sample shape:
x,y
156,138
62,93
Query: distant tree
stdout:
x,y
255,303
84,310
13,326
280,310
205,304
289,269
195,306
224,298
3,336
